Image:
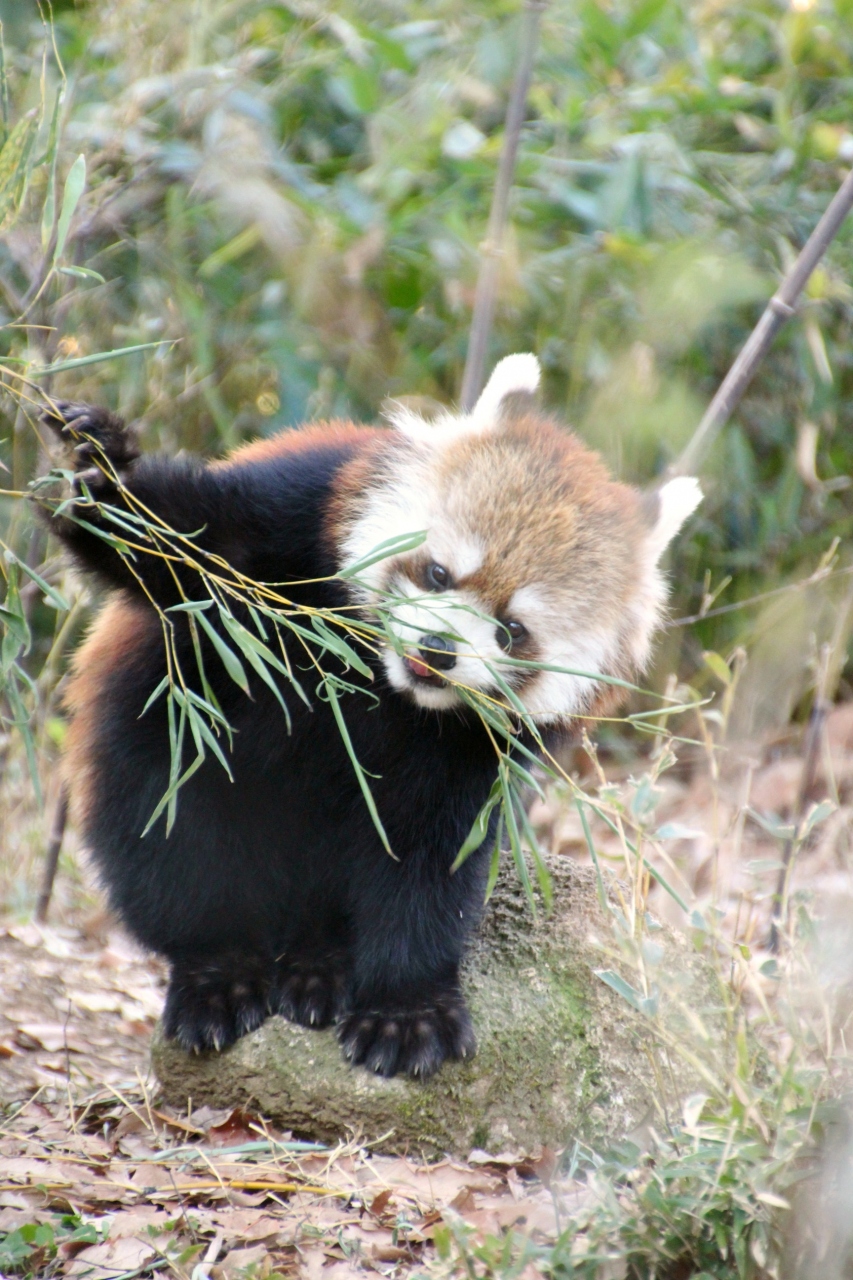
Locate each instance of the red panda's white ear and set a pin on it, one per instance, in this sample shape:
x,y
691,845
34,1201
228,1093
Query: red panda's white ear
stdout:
x,y
676,500
511,375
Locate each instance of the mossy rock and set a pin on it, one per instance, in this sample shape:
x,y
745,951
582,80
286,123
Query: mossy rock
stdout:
x,y
560,1054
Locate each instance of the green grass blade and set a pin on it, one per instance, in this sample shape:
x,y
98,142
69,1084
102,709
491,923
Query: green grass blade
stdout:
x,y
79,362
599,879
75,184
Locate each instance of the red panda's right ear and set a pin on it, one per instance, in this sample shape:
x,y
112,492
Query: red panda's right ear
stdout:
x,y
671,505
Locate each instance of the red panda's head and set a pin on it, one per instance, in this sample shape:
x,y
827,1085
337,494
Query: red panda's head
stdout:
x,y
531,550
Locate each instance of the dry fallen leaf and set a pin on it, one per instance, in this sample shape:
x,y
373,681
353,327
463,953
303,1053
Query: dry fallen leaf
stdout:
x,y
107,1261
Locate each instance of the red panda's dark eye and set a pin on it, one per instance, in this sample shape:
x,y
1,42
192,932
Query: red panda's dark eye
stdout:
x,y
510,633
437,578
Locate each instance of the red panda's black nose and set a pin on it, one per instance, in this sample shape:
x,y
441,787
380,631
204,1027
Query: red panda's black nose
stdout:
x,y
438,653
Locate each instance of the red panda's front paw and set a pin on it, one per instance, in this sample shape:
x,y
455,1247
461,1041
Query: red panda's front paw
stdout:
x,y
311,992
411,1042
213,1002
102,446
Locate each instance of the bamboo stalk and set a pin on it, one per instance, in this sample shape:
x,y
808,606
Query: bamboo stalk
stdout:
x,y
491,250
51,861
779,309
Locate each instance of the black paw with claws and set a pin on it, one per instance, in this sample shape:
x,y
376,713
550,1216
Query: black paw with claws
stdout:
x,y
210,1004
310,992
101,445
412,1042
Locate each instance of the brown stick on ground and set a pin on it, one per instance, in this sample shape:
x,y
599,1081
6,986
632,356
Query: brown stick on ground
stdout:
x,y
492,247
779,309
51,859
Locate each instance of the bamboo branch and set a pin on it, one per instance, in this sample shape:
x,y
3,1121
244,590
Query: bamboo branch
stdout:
x,y
779,309
491,250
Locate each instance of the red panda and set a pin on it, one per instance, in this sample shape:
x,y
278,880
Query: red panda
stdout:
x,y
273,893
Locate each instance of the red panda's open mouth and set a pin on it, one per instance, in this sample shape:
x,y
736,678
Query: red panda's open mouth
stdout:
x,y
422,673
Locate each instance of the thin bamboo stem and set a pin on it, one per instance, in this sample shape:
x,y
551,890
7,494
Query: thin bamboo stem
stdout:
x,y
779,309
491,250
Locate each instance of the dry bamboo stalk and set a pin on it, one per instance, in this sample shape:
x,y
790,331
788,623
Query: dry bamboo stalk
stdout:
x,y
779,309
492,247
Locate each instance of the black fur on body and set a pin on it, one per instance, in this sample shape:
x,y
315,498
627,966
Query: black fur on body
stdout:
x,y
274,894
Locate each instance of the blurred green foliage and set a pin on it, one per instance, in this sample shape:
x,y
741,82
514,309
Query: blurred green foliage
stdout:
x,y
293,195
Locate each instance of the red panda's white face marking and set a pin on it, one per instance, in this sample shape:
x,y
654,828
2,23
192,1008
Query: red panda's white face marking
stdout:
x,y
539,553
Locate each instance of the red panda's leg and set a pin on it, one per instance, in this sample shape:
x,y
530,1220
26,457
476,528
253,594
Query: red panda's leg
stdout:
x,y
409,1038
407,1012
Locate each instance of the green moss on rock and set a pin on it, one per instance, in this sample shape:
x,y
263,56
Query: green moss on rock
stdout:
x,y
560,1056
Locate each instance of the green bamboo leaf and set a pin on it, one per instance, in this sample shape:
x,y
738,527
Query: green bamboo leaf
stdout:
x,y
331,689
250,643
480,829
508,811
202,735
169,797
209,706
54,596
230,661
337,645
495,864
719,666
543,875
23,723
525,777
257,654
383,551
161,688
524,664
818,814
190,606
617,983
116,543
75,185
15,158
82,273
16,640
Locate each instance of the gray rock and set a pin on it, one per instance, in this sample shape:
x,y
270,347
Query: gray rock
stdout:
x,y
560,1056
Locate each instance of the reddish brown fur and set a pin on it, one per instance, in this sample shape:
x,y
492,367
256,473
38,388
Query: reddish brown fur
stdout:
x,y
121,627
297,440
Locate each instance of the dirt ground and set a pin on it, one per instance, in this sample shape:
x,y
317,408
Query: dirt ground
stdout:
x,y
141,1187
124,1186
